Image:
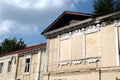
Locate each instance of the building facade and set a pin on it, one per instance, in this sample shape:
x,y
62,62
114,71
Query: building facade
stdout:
x,y
25,64
79,47
83,47
8,66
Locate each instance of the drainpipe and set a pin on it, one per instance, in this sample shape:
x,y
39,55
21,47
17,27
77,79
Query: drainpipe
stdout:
x,y
17,62
38,65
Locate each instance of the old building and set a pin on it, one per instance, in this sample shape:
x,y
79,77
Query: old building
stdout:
x,y
83,47
8,65
25,64
79,46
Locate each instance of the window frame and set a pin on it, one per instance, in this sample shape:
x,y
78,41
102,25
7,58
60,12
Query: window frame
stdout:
x,y
9,66
1,67
27,64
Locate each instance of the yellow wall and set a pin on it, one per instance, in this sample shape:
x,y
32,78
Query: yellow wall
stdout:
x,y
106,49
92,45
76,52
76,76
64,50
8,75
52,51
109,73
77,47
108,46
33,66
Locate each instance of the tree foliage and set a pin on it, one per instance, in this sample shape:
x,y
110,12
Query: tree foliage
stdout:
x,y
9,45
106,6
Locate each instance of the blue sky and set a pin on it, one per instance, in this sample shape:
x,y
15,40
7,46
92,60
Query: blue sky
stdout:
x,y
26,19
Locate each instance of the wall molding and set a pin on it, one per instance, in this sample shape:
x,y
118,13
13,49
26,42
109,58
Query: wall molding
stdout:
x,y
92,60
77,62
80,61
92,28
63,63
77,32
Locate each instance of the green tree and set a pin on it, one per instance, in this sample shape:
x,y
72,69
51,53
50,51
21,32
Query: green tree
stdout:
x,y
103,6
9,45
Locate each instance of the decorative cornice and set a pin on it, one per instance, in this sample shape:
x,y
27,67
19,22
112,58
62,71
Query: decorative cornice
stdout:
x,y
65,36
87,30
117,23
92,28
63,63
76,62
92,60
77,32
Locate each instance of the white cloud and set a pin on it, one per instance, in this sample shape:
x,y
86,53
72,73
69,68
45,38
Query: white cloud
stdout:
x,y
11,27
33,10
29,17
5,27
30,12
41,4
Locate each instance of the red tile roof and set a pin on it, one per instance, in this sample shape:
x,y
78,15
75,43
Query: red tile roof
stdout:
x,y
26,49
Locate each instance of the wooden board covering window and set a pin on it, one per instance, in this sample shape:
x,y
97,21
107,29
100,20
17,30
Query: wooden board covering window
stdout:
x,y
92,45
53,47
64,50
77,47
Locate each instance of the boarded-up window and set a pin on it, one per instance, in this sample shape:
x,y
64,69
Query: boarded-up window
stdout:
x,y
92,45
9,66
1,67
51,50
77,47
53,47
64,49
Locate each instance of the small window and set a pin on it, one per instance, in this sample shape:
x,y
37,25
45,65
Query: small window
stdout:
x,y
1,66
27,65
9,66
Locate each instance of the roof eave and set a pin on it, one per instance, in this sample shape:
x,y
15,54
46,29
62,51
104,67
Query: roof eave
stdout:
x,y
67,12
88,21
